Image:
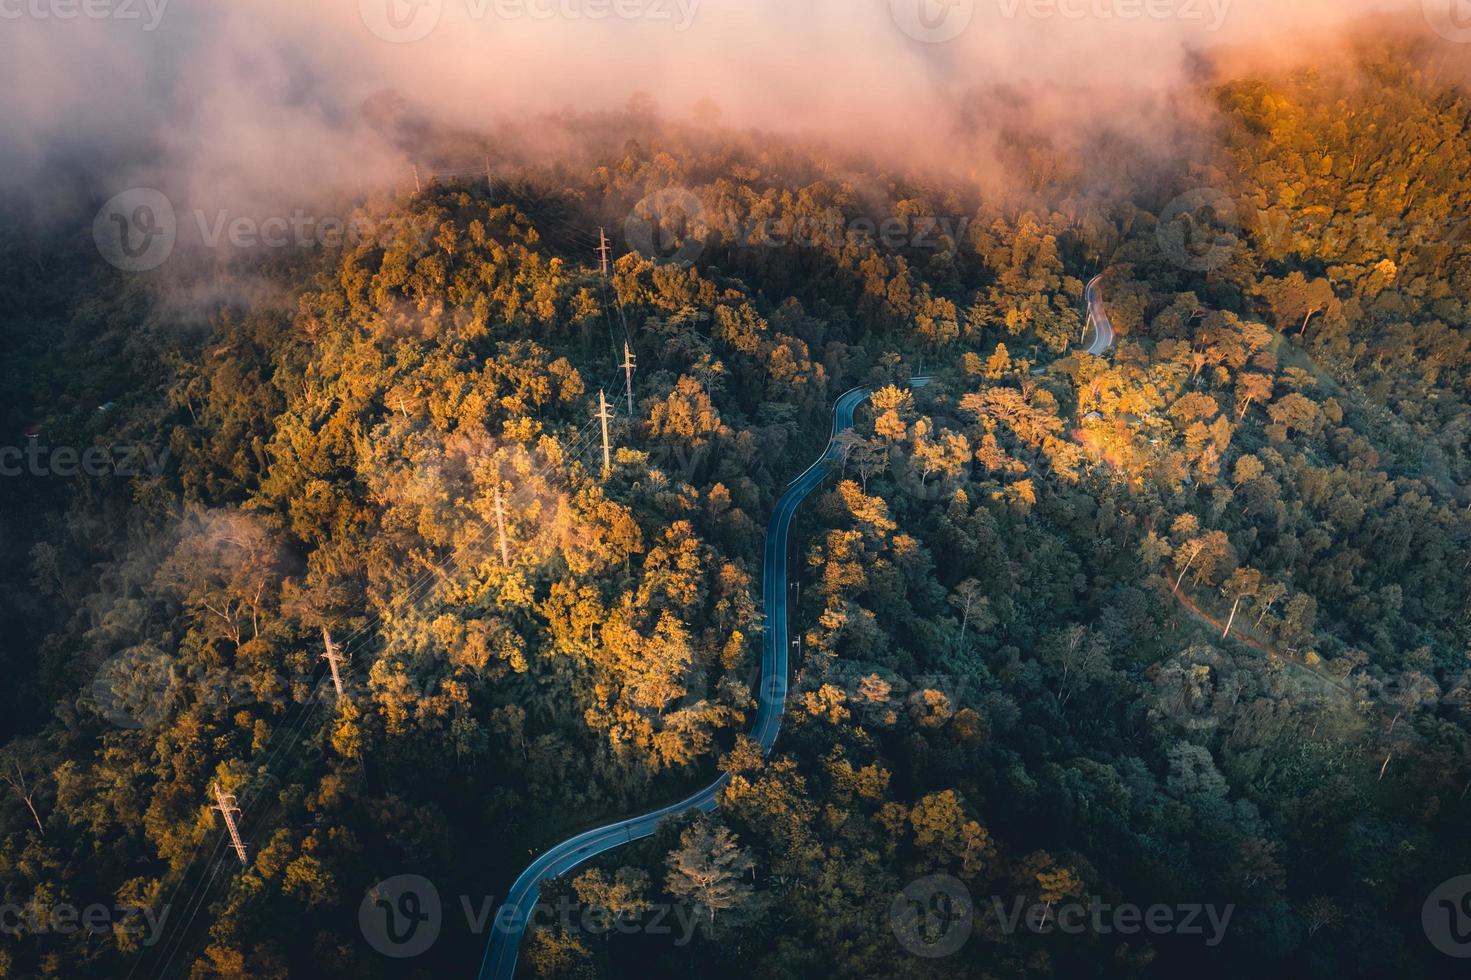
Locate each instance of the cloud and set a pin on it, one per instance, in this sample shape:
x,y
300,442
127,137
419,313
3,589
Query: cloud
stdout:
x,y
258,107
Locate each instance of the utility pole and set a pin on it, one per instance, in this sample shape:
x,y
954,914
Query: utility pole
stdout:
x,y
628,366
605,416
228,809
500,523
418,187
333,660
489,181
603,249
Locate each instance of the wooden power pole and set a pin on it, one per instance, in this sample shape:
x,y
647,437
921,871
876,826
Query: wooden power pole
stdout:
x,y
334,660
603,250
418,187
628,366
500,523
226,805
604,415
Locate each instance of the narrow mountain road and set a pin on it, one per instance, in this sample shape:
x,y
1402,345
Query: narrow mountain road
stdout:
x,y
1240,635
510,923
1098,317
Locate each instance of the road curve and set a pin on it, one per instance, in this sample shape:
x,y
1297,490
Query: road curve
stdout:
x,y
511,920
1098,317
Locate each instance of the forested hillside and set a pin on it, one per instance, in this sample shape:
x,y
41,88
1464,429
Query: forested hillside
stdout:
x,y
1014,665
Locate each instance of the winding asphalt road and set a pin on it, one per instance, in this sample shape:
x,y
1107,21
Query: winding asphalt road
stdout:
x,y
1098,316
511,921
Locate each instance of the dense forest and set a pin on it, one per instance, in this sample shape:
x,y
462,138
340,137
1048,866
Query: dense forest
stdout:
x,y
1182,623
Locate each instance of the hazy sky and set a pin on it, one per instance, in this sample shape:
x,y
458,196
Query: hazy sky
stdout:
x,y
242,98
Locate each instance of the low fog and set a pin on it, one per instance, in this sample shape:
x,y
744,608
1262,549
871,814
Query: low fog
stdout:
x,y
256,107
